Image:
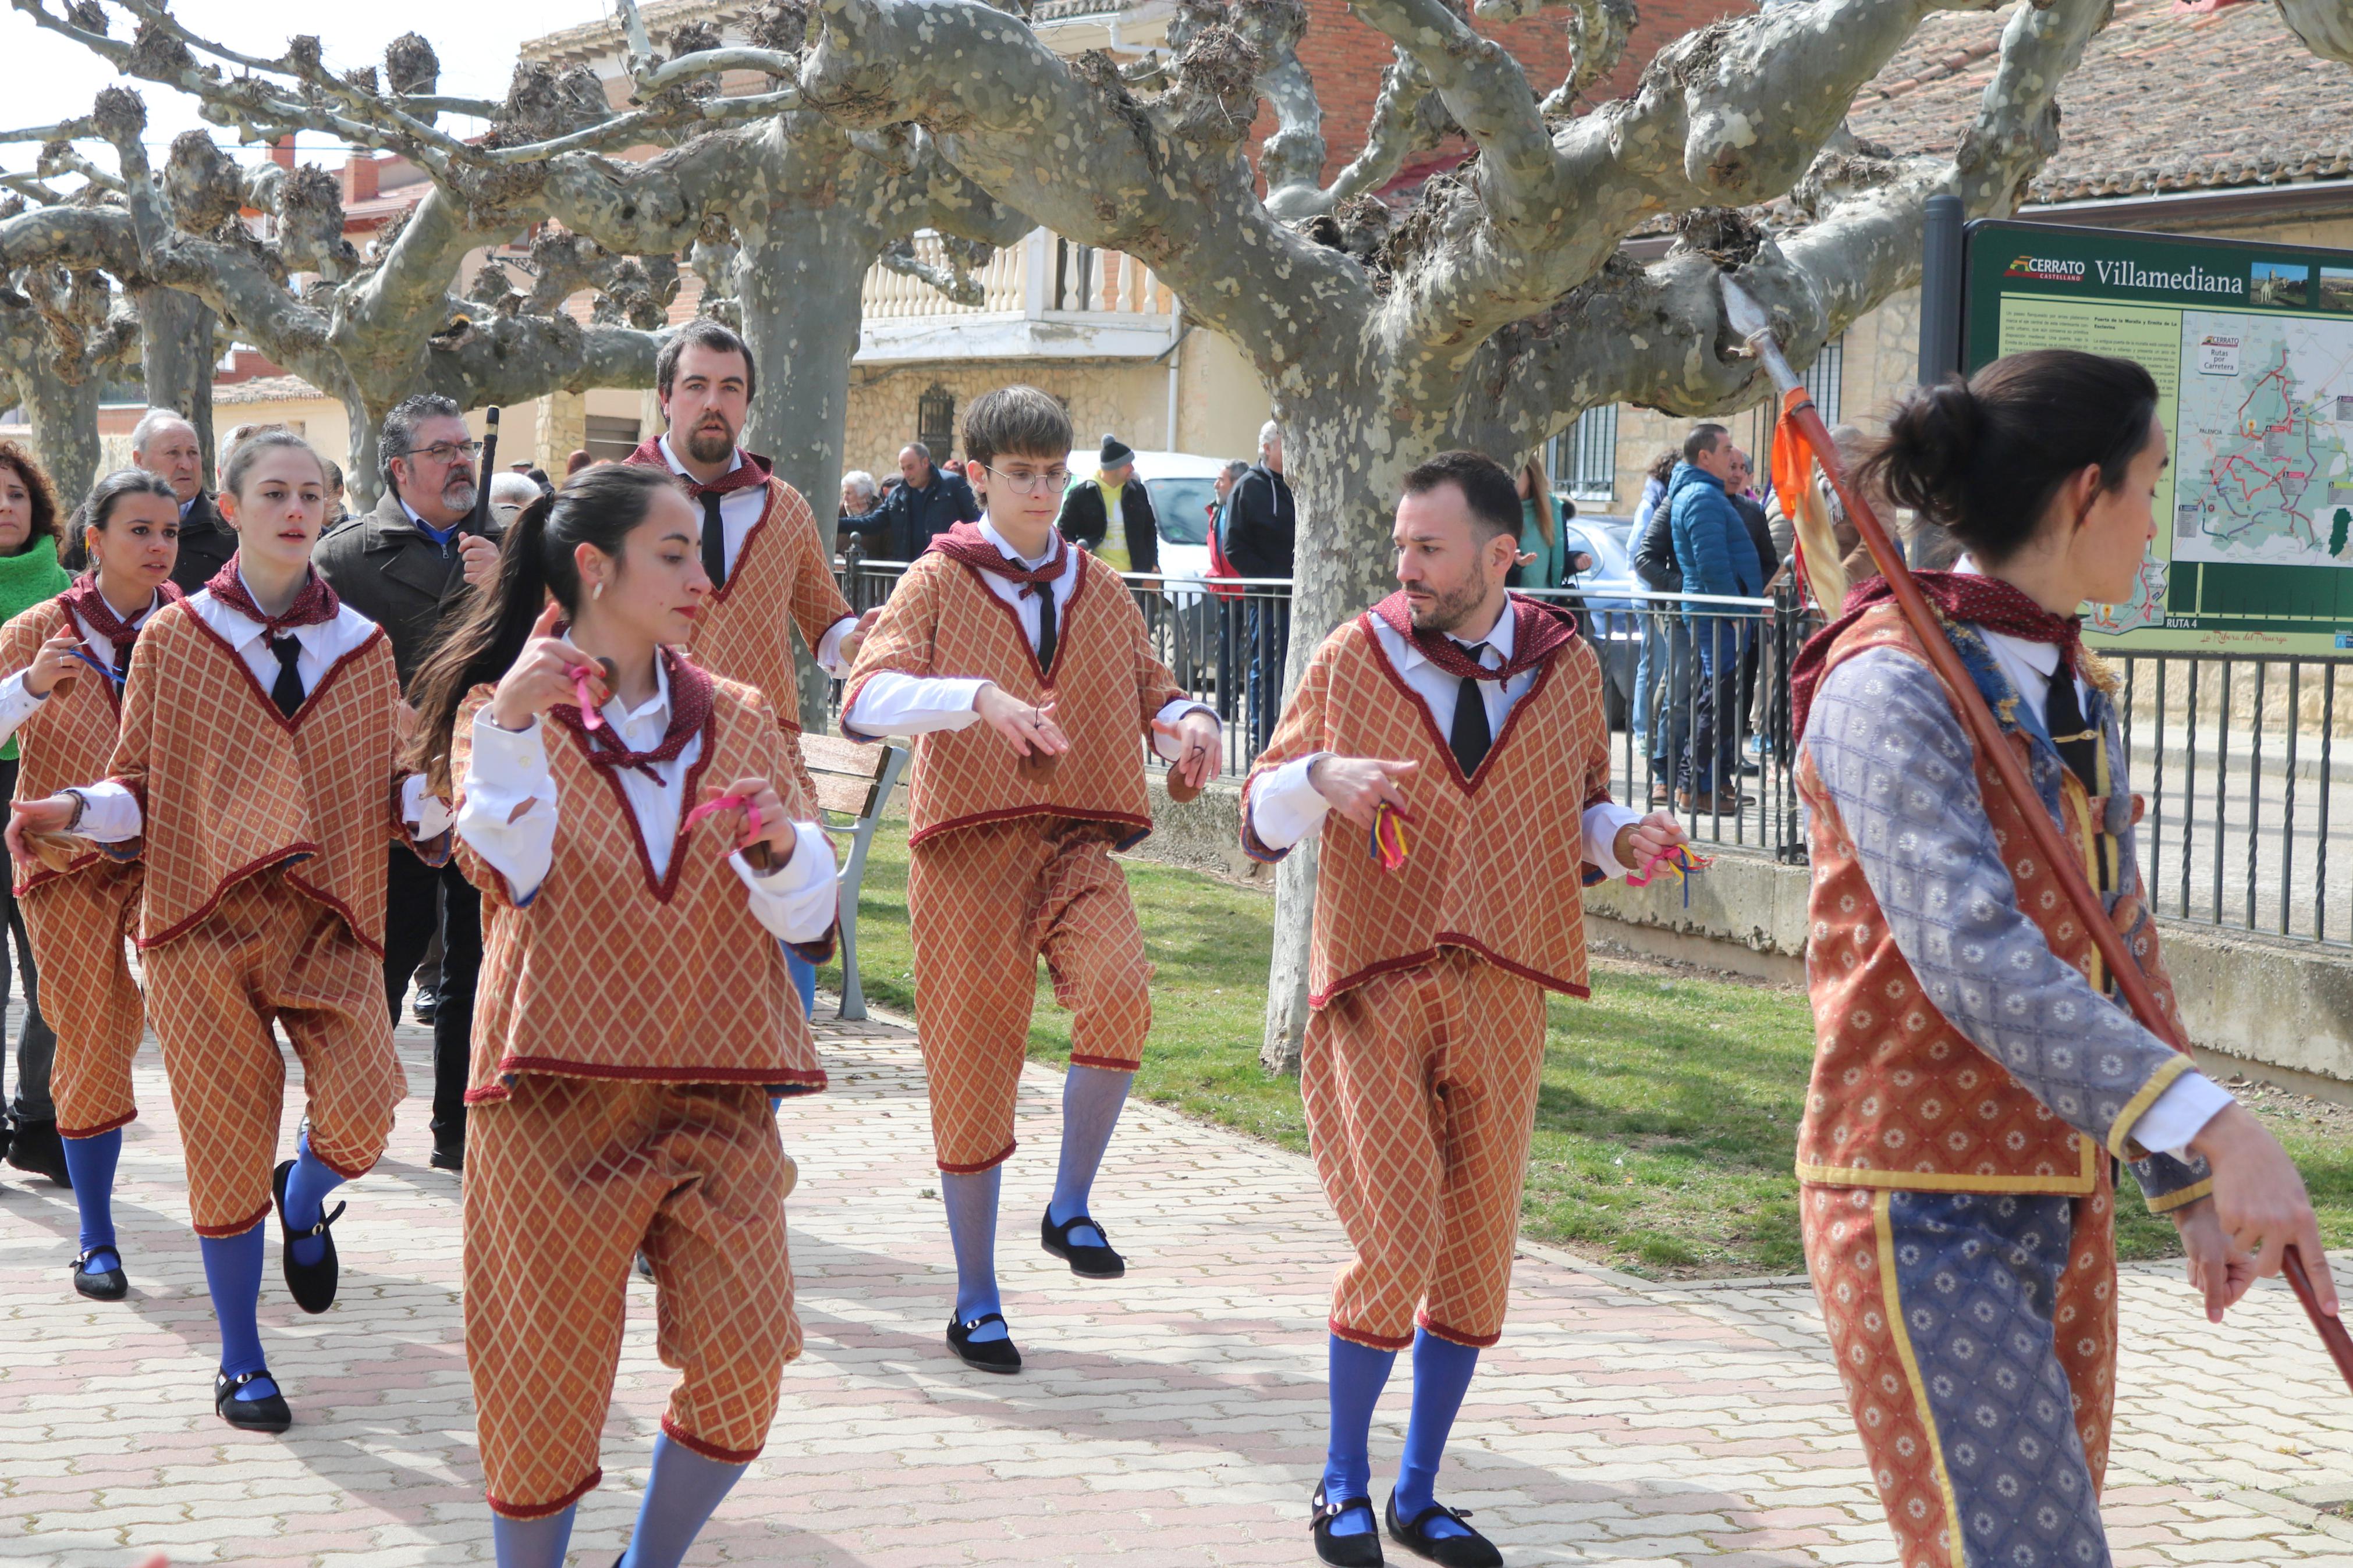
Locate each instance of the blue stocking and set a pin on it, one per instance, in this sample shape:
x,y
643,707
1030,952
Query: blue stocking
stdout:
x,y
684,1489
233,1276
971,1202
307,1186
90,1161
804,975
1441,1373
1358,1373
532,1542
1091,1099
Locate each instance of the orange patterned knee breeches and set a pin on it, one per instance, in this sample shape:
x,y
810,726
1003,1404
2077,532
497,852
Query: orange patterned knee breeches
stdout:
x,y
983,904
1420,1088
1976,1334
566,1180
270,954
81,926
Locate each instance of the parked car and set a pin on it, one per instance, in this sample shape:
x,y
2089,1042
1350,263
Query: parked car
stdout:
x,y
1612,619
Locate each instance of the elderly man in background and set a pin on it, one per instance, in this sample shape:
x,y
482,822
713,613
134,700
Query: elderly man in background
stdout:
x,y
1090,502
165,444
509,493
411,566
929,502
857,493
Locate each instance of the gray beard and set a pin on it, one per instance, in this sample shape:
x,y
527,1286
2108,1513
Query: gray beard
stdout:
x,y
458,496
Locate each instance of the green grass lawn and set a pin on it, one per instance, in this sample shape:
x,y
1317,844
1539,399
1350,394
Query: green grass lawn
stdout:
x,y
1667,1115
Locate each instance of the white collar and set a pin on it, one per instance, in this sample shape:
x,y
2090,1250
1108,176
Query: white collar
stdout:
x,y
676,466
2042,658
988,532
656,706
1498,637
242,629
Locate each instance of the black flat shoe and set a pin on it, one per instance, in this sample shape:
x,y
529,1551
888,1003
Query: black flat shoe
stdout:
x,y
429,1003
1362,1550
268,1413
990,1355
108,1285
1472,1551
448,1157
37,1148
1087,1262
312,1285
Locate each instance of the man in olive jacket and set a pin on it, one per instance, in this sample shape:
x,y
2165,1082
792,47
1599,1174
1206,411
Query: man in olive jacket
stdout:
x,y
411,566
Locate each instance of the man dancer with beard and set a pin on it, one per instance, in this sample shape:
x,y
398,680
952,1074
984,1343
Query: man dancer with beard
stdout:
x,y
768,569
1474,715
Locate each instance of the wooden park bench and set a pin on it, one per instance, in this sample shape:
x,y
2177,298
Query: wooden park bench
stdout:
x,y
852,781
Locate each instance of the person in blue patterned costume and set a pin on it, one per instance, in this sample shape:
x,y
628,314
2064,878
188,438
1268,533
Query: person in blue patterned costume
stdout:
x,y
1975,1086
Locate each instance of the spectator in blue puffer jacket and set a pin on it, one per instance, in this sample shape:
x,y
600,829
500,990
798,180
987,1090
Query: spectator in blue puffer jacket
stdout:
x,y
1715,556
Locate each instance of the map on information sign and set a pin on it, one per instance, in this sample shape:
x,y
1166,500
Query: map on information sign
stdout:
x,y
2251,350
2262,471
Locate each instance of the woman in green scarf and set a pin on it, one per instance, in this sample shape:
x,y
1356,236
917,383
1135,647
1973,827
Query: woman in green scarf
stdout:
x,y
29,574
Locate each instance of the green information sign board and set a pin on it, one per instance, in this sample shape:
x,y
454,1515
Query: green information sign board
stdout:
x,y
2252,346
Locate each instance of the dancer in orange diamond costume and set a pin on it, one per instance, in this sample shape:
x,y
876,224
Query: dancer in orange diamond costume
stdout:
x,y
1024,668
643,846
257,763
1451,719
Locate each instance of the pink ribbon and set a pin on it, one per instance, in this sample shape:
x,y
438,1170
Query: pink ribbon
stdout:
x,y
589,718
729,803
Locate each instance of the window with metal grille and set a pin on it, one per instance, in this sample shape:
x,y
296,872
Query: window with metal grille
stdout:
x,y
1583,458
935,420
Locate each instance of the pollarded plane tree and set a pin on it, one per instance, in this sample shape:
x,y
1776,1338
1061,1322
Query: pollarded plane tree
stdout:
x,y
64,332
368,328
779,211
1497,305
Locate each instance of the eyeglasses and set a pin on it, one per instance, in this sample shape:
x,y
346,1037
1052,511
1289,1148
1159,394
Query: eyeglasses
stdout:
x,y
444,451
1022,483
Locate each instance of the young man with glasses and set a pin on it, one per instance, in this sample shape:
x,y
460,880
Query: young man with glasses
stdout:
x,y
411,566
1024,671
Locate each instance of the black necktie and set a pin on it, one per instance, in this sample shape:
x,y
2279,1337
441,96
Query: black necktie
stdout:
x,y
1045,591
2079,748
1470,737
286,689
714,540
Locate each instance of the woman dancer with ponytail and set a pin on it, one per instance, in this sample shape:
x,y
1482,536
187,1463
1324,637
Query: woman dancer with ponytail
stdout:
x,y
259,765
63,705
635,1014
1972,1078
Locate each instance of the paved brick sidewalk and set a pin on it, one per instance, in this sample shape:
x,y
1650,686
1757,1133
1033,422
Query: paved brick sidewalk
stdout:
x,y
1171,1418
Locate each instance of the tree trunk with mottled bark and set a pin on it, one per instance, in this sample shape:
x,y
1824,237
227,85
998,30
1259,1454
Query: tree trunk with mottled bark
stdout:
x,y
175,350
64,417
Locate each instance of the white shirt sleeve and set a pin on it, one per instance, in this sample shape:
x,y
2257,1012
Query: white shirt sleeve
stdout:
x,y
1603,820
894,703
110,814
797,899
509,818
1166,747
16,704
1284,808
2181,1113
427,815
828,647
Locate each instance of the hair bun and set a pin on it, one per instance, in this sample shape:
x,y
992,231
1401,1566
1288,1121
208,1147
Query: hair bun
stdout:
x,y
1932,440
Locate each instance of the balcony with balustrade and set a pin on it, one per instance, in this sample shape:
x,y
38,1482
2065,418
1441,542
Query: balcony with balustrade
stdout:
x,y
1044,298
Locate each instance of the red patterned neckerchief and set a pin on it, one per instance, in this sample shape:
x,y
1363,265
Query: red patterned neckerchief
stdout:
x,y
690,707
1985,601
966,542
1538,633
750,472
315,603
90,607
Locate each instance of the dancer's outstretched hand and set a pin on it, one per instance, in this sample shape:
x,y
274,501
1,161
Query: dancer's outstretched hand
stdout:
x,y
757,819
1639,843
2259,1199
49,816
543,676
1355,786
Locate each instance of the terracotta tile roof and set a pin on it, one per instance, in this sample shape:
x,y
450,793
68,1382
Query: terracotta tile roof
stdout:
x,y
2163,100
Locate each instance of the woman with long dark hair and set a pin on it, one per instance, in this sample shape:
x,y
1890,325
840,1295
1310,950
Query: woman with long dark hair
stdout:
x,y
1973,1079
642,845
257,764
62,705
30,575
